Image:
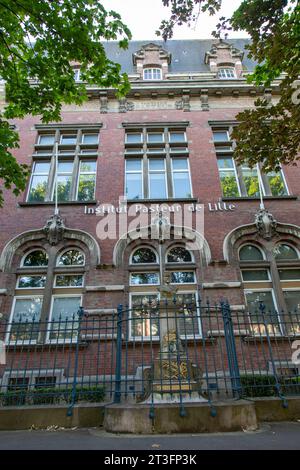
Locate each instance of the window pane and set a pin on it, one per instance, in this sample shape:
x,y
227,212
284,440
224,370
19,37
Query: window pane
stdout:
x,y
183,277
182,187
187,314
157,185
220,136
250,179
289,274
63,188
253,302
38,188
144,316
88,166
143,255
257,275
26,317
144,278
277,184
71,258
133,138
156,164
134,186
155,137
86,187
65,167
134,165
69,281
90,138
68,139
283,252
225,163
36,258
27,282
41,168
292,300
180,164
46,139
179,255
64,324
177,137
229,184
250,253
258,319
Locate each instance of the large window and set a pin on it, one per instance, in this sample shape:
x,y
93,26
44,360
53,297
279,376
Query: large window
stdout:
x,y
271,279
76,170
242,181
145,282
46,304
157,164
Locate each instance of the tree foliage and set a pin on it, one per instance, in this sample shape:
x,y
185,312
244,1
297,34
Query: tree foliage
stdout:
x,y
268,134
39,42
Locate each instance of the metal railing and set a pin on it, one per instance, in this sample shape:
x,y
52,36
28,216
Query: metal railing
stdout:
x,y
151,353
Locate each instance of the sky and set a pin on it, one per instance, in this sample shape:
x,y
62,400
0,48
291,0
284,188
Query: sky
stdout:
x,y
143,18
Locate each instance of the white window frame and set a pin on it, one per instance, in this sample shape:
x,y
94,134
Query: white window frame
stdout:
x,y
133,133
224,70
158,141
68,287
141,338
63,340
291,246
152,71
62,135
267,289
144,272
11,316
89,133
69,266
43,135
251,261
181,171
285,268
229,170
256,269
144,264
179,262
77,74
198,313
33,174
86,173
28,253
178,141
141,172
215,131
151,172
30,275
184,283
63,173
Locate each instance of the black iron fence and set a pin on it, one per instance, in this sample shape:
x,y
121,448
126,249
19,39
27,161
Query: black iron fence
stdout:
x,y
151,353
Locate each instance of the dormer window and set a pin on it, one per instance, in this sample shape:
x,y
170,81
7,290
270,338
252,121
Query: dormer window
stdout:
x,y
226,73
152,74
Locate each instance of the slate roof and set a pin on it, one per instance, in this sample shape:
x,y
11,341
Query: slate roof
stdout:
x,y
187,55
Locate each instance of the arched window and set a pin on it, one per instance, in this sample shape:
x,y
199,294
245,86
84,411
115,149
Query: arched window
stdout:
x,y
71,258
153,73
39,286
250,253
143,255
179,254
35,258
285,252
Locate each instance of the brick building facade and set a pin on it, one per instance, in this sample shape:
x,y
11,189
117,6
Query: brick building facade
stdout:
x,y
168,144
